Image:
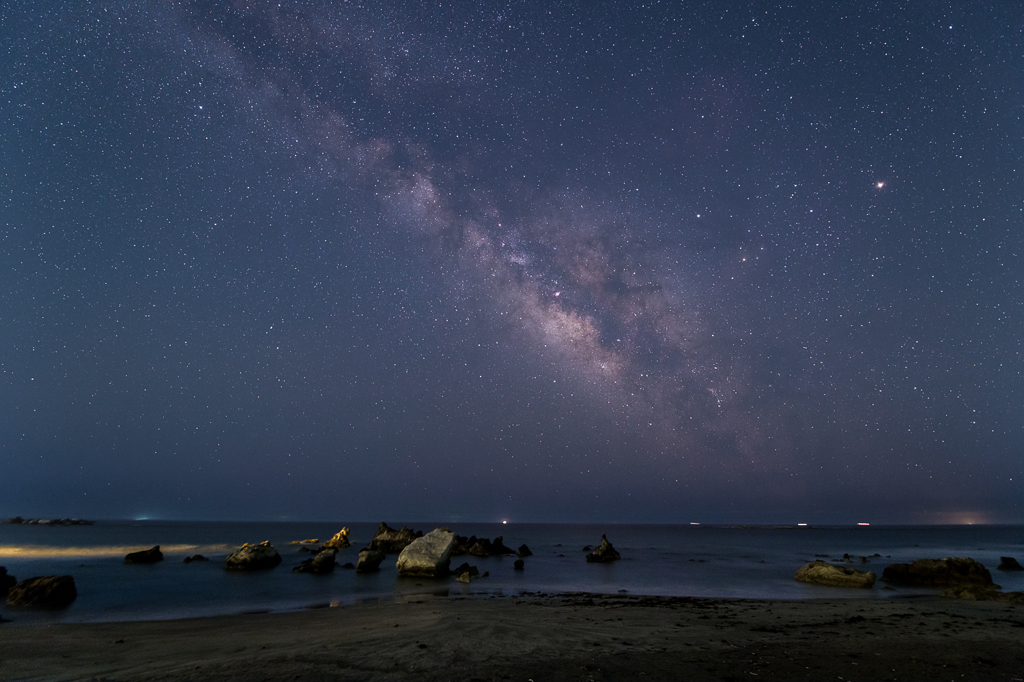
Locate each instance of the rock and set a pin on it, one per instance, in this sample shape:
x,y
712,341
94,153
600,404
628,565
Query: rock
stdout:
x,y
463,577
466,568
369,561
587,548
428,555
391,541
348,565
523,551
481,548
146,556
462,544
824,573
6,582
979,593
340,539
1008,563
49,592
948,572
518,565
498,546
604,553
195,557
322,564
252,557
311,541
16,519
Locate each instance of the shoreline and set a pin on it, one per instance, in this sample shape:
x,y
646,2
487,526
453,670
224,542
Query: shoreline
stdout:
x,y
542,637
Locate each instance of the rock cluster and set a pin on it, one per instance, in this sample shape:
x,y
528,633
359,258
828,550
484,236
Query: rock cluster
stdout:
x,y
48,592
50,522
427,555
391,541
480,547
146,556
251,557
824,573
604,553
948,572
321,564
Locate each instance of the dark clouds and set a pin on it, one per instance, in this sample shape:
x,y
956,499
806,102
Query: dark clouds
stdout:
x,y
548,262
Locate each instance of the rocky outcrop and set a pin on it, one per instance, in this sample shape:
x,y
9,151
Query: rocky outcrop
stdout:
x,y
391,541
146,556
340,539
948,572
523,551
322,564
253,557
369,561
195,557
481,548
428,555
6,582
1008,563
310,541
978,593
466,568
47,592
824,573
604,553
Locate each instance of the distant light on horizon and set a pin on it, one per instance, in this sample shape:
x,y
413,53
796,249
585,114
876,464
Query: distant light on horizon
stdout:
x,y
801,524
863,524
504,522
694,523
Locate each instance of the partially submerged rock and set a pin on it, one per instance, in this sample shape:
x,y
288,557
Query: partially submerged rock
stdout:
x,y
195,557
466,568
369,561
391,541
1008,563
948,572
146,556
604,553
518,565
523,551
6,582
321,564
428,555
979,593
253,557
47,592
340,539
310,541
824,573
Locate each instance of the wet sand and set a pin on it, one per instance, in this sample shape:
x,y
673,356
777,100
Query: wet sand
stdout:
x,y
543,637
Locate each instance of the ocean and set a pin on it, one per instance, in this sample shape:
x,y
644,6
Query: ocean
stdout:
x,y
666,560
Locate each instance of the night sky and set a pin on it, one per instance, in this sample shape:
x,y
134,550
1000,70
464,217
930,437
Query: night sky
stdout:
x,y
537,261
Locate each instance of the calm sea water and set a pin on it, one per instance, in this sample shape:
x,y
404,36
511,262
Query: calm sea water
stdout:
x,y
702,561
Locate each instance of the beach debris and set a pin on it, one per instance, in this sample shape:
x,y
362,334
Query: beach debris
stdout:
x,y
518,565
1008,563
48,592
824,573
322,564
391,541
340,539
6,582
523,551
253,557
604,553
979,593
195,557
428,555
369,561
948,572
146,556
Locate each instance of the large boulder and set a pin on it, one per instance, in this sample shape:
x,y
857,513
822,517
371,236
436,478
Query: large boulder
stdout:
x,y
48,592
604,553
6,582
428,555
252,557
321,564
948,572
369,561
1008,563
146,556
824,573
340,539
391,541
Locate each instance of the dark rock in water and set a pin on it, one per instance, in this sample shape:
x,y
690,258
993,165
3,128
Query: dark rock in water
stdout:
x,y
195,557
498,546
948,572
253,557
523,551
349,565
369,561
518,565
481,548
464,577
466,568
340,539
604,553
824,573
428,555
1008,563
16,519
587,548
6,582
462,544
322,564
310,541
48,592
391,541
146,556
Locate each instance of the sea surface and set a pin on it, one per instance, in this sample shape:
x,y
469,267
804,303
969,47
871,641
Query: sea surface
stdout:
x,y
668,560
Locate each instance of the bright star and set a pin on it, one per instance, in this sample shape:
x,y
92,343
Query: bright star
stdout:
x,y
879,184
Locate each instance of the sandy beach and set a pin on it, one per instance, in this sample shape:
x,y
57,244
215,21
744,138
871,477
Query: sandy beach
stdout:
x,y
543,637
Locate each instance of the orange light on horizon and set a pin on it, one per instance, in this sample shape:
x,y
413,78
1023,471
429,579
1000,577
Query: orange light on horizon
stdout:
x,y
863,524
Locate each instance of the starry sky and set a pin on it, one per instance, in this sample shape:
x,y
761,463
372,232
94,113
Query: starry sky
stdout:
x,y
538,261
